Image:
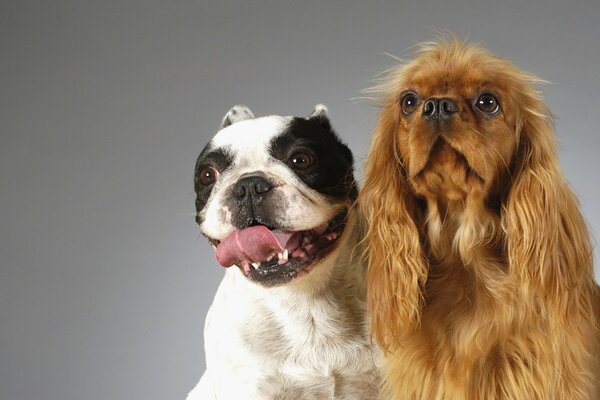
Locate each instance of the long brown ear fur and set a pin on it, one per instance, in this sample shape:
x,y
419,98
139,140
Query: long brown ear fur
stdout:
x,y
397,268
548,245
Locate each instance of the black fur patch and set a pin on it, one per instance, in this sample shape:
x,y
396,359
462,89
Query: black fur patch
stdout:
x,y
332,173
220,159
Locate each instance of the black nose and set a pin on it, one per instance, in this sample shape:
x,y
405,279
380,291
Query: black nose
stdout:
x,y
439,109
251,186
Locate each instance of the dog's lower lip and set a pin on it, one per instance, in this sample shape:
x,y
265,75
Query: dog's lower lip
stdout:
x,y
441,141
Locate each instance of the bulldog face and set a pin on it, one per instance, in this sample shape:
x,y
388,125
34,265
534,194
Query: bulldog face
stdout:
x,y
272,193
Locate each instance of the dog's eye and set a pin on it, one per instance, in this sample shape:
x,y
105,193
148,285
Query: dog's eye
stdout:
x,y
301,160
409,103
207,175
488,104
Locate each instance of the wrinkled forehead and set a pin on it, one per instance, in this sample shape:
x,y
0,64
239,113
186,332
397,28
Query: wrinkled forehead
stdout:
x,y
249,139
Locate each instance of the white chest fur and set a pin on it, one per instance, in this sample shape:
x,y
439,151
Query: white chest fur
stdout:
x,y
289,342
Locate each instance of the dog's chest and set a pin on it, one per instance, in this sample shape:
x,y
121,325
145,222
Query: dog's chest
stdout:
x,y
309,354
287,344
319,335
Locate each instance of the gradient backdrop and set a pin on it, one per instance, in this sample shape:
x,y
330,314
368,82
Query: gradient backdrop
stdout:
x,y
104,106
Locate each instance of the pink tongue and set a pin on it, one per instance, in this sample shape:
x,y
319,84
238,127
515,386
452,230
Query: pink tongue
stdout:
x,y
254,244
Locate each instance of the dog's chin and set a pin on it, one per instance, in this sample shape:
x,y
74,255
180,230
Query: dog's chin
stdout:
x,y
447,167
313,246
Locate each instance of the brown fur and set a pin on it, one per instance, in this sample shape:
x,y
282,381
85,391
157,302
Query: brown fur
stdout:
x,y
480,276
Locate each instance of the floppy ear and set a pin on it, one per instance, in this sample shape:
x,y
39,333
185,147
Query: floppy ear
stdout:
x,y
547,241
396,266
236,114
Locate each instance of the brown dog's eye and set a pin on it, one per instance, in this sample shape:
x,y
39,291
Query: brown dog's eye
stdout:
x,y
488,104
301,160
409,103
207,175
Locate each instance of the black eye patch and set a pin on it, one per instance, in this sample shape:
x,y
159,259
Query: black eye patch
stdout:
x,y
331,171
220,159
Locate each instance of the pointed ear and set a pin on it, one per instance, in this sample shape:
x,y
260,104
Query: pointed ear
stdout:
x,y
397,269
236,114
547,241
321,115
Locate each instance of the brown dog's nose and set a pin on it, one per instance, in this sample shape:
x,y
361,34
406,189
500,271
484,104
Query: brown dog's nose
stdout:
x,y
439,109
251,186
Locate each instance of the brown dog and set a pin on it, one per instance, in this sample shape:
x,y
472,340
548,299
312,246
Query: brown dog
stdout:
x,y
481,283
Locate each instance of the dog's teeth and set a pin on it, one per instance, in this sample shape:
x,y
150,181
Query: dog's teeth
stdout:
x,y
280,255
256,265
283,257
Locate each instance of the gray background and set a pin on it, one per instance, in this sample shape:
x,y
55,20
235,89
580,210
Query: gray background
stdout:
x,y
104,279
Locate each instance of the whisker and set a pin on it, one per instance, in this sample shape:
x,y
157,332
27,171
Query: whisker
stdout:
x,y
186,214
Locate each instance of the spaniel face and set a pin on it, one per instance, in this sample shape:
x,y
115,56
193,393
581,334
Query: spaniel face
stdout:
x,y
457,128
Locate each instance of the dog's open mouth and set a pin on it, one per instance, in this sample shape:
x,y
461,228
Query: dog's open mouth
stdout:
x,y
273,256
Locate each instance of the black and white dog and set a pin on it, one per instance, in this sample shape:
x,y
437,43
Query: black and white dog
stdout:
x,y
275,196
